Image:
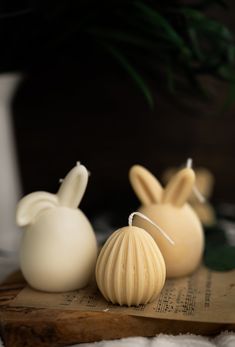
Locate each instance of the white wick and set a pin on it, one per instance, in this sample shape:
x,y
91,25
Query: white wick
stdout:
x,y
196,191
199,195
130,220
189,163
78,163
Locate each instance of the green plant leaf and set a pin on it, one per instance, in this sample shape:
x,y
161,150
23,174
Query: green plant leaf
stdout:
x,y
158,20
227,73
203,24
133,73
195,44
231,54
221,258
175,41
218,255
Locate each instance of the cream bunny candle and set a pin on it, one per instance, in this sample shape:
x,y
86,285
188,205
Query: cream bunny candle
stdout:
x,y
59,250
130,269
169,209
201,192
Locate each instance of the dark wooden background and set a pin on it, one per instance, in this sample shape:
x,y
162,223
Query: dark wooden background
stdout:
x,y
64,113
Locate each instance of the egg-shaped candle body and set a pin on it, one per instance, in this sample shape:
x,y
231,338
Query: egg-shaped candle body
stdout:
x,y
184,227
58,251
130,269
169,209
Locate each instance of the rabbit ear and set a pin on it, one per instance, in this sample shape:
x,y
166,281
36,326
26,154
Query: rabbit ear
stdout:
x,y
30,206
179,188
204,182
73,187
145,185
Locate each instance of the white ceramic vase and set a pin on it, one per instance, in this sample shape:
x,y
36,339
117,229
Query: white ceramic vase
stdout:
x,y
9,178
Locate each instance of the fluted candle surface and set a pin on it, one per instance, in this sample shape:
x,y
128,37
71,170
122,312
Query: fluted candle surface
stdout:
x,y
130,269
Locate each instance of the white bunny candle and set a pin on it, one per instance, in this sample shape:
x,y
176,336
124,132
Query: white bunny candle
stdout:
x,y
59,249
169,209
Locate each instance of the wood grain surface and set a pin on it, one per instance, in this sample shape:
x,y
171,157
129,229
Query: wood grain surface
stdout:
x,y
24,326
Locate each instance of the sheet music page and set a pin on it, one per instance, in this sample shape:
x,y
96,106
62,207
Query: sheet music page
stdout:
x,y
205,296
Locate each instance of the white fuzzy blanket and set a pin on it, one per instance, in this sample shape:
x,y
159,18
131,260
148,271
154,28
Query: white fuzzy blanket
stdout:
x,y
223,340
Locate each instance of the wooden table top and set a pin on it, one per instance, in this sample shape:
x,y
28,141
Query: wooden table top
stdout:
x,y
28,326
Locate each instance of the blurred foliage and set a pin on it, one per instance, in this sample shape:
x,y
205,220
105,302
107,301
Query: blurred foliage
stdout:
x,y
170,43
219,255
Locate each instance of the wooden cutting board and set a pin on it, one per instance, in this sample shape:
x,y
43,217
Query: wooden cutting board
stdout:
x,y
203,303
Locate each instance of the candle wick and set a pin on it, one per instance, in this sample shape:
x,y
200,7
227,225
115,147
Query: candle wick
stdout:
x,y
189,163
141,215
199,195
196,191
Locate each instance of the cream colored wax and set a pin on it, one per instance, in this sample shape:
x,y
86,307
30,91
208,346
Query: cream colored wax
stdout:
x,y
201,193
130,269
59,250
169,209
